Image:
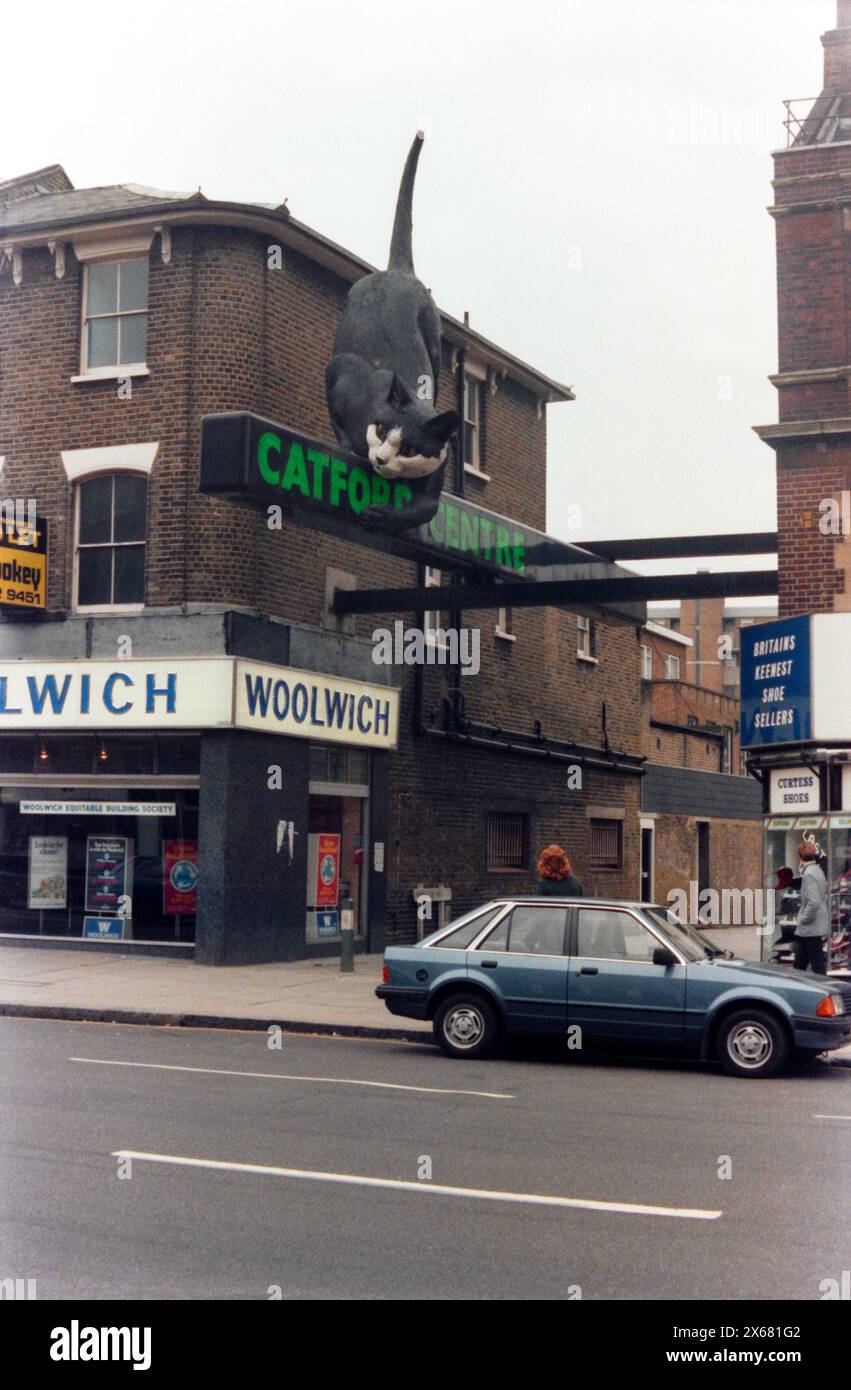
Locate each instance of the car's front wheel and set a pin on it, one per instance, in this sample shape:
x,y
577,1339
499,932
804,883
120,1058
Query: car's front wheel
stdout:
x,y
751,1042
465,1025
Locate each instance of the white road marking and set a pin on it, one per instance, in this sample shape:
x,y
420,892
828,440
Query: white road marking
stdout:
x,y
435,1189
280,1076
832,1117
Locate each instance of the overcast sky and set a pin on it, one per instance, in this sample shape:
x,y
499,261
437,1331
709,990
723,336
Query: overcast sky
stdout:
x,y
592,190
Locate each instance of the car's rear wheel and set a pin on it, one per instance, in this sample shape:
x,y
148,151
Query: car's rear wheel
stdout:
x,y
465,1025
752,1042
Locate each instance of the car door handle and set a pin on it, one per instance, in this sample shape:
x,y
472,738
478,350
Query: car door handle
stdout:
x,y
489,964
588,970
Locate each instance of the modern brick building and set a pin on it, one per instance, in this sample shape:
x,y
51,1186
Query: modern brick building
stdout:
x,y
812,213
714,627
127,315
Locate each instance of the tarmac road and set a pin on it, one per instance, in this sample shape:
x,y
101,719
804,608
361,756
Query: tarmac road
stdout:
x,y
375,1156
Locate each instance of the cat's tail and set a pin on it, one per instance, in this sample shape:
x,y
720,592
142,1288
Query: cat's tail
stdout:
x,y
401,249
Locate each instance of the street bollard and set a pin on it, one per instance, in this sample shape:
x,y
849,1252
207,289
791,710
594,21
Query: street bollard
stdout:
x,y
347,936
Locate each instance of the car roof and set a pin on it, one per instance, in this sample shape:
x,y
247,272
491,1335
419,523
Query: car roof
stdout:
x,y
571,898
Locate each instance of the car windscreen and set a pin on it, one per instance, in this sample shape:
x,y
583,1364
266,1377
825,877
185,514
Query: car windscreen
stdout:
x,y
685,938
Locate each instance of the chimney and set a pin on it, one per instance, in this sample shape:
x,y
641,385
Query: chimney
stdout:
x,y
837,51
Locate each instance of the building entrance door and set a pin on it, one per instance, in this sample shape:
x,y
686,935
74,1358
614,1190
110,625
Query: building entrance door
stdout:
x,y
647,886
338,833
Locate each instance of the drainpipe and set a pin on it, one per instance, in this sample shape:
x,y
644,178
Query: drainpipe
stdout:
x,y
455,613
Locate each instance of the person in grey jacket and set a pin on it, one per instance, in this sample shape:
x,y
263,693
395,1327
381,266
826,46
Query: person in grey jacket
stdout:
x,y
813,918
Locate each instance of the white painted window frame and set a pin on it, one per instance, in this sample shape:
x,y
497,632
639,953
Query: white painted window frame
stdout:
x,y
504,622
584,632
431,619
473,391
81,465
116,371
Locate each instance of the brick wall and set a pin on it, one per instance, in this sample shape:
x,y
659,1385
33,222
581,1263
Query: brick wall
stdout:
x,y
735,854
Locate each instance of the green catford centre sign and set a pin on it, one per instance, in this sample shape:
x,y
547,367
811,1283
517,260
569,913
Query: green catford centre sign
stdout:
x,y
288,463
254,460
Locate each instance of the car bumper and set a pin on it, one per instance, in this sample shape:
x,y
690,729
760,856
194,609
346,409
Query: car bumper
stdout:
x,y
822,1034
406,1000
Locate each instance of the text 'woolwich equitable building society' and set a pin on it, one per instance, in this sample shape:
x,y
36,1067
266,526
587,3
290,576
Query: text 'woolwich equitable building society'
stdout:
x,y
197,744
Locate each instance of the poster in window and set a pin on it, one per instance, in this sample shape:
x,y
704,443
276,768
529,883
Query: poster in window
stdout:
x,y
106,873
328,871
180,876
48,878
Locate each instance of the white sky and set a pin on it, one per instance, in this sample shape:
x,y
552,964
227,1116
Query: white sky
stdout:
x,y
593,190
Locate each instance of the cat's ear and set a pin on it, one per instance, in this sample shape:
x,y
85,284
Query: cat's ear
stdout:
x,y
442,426
398,395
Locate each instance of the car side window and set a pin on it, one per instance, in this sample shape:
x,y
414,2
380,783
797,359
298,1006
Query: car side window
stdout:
x,y
459,940
529,931
537,931
498,939
612,935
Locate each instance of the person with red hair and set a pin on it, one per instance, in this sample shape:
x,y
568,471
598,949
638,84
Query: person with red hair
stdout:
x,y
556,877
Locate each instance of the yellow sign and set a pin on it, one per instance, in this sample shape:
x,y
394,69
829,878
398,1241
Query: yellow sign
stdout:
x,y
23,563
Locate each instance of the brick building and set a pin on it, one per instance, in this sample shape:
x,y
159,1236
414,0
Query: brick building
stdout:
x,y
126,315
700,819
812,214
714,627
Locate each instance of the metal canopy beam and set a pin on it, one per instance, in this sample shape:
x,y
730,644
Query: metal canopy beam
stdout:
x,y
557,592
680,547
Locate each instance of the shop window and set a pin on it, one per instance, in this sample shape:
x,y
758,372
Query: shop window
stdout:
x,y
178,755
67,754
111,541
19,754
103,754
507,841
115,315
606,848
332,763
336,864
124,755
76,862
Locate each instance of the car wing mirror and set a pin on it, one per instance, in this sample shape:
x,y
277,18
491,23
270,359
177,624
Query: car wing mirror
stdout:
x,y
662,956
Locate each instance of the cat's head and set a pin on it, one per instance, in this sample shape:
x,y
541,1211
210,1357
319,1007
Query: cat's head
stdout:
x,y
407,438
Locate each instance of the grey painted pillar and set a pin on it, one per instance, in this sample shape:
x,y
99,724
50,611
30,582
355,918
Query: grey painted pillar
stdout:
x,y
252,900
379,831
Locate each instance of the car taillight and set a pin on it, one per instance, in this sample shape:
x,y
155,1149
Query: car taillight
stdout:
x,y
385,974
830,1006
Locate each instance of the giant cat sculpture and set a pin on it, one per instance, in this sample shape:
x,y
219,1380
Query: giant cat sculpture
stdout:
x,y
381,383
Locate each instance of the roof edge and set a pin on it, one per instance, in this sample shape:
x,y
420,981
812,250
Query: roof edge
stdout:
x,y
303,238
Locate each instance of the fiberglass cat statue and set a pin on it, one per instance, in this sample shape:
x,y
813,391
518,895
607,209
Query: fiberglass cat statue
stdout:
x,y
381,383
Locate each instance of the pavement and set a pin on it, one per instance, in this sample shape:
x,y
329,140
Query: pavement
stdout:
x,y
100,986
302,996
177,1163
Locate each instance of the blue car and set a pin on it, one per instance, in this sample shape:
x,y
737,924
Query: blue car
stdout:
x,y
595,971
